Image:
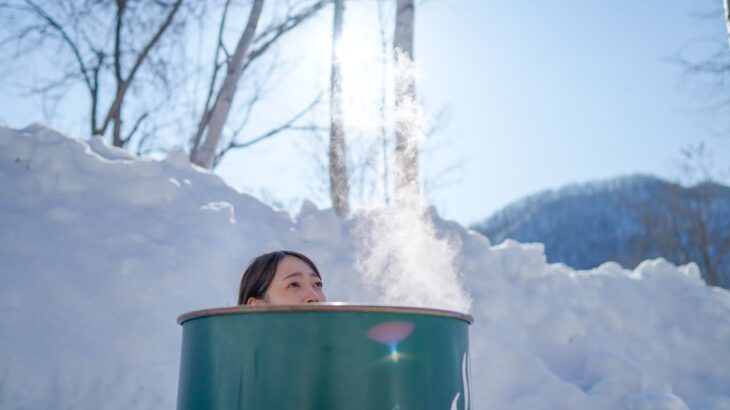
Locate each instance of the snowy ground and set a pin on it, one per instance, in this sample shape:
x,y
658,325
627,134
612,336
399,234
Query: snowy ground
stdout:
x,y
100,252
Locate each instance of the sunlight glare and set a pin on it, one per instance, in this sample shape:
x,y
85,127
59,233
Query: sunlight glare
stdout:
x,y
362,77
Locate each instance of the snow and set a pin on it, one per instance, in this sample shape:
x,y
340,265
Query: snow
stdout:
x,y
101,251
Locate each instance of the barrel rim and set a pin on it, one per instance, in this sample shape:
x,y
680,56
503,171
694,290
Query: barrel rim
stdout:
x,y
323,307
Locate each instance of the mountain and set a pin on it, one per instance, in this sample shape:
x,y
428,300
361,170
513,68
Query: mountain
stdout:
x,y
626,220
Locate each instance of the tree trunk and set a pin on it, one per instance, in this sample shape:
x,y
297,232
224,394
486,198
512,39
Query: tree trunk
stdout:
x,y
204,156
703,221
407,127
117,128
383,101
339,189
726,7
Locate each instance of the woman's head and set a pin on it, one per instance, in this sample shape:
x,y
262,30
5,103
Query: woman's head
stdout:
x,y
281,277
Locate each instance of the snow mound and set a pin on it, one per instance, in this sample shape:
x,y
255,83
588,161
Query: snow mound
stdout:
x,y
101,251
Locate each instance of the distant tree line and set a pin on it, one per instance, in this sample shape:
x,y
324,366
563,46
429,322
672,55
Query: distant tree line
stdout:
x,y
626,220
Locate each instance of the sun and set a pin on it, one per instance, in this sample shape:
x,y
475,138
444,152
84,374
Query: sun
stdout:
x,y
356,47
361,62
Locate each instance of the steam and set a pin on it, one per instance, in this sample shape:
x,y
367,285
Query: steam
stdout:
x,y
402,257
399,252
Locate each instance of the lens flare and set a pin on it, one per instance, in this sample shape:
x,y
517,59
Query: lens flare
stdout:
x,y
391,332
394,355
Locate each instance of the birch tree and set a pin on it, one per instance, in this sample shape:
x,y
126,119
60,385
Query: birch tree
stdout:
x,y
209,142
339,188
203,154
102,50
406,121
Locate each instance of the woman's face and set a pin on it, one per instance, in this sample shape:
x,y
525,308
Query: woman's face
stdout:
x,y
294,282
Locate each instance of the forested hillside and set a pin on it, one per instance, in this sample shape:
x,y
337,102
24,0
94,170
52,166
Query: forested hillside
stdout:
x,y
627,220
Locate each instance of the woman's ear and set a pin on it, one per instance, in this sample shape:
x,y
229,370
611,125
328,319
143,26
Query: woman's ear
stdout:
x,y
254,301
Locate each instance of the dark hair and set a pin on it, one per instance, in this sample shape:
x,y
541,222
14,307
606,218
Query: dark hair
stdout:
x,y
260,273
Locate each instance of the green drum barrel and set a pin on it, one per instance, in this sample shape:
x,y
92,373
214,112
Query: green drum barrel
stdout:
x,y
324,356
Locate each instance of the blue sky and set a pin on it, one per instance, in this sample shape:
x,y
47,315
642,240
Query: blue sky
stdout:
x,y
560,92
543,95
540,95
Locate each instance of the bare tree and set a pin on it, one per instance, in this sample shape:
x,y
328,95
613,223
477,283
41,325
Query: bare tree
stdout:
x,y
339,188
705,64
209,142
701,233
104,55
693,231
406,121
204,154
689,223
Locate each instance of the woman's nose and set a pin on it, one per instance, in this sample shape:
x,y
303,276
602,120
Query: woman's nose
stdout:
x,y
312,296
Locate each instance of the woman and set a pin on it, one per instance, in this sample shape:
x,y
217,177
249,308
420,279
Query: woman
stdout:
x,y
281,278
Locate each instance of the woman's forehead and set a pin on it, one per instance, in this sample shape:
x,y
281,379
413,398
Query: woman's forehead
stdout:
x,y
291,264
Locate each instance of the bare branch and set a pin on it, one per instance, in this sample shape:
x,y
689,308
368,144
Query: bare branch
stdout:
x,y
135,127
438,122
20,36
143,55
222,46
54,85
121,92
121,7
207,109
66,38
95,93
247,115
271,34
287,126
12,7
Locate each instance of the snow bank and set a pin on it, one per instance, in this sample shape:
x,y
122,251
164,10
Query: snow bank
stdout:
x,y
100,252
